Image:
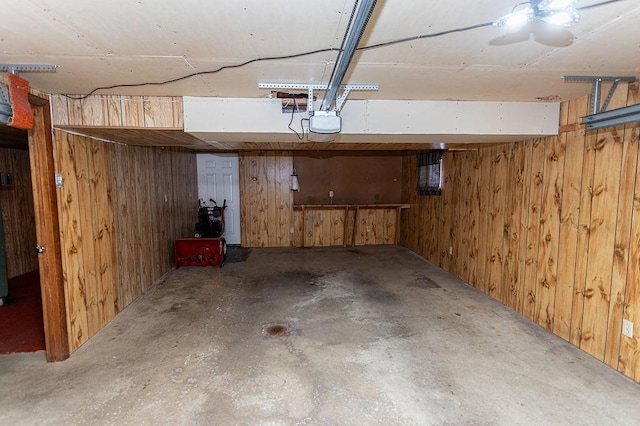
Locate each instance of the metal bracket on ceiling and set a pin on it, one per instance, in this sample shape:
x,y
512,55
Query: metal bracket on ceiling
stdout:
x,y
596,91
342,97
16,68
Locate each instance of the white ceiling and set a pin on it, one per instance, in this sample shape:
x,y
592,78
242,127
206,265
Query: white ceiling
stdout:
x,y
101,43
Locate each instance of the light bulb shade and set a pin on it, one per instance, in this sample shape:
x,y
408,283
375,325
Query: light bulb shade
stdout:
x,y
561,18
515,19
295,184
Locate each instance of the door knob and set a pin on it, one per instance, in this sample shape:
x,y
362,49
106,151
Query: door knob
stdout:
x,y
40,249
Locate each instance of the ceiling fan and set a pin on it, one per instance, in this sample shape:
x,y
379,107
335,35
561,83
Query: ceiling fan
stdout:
x,y
561,13
546,20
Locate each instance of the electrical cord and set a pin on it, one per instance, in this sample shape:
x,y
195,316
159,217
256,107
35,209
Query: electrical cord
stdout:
x,y
423,36
311,52
603,3
293,111
214,71
513,9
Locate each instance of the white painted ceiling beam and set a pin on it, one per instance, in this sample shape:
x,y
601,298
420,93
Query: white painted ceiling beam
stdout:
x,y
261,120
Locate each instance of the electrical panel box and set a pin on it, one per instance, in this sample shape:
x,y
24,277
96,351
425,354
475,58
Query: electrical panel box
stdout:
x,y
6,179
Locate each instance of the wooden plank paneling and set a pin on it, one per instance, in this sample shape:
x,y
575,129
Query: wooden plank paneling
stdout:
x,y
270,207
622,241
283,196
72,244
18,213
119,216
133,114
296,240
606,184
324,225
118,111
474,218
584,230
548,245
570,211
94,111
523,262
337,231
114,111
103,229
445,221
629,360
533,227
122,172
456,220
158,111
266,199
569,236
484,198
512,220
464,235
60,109
74,113
621,246
178,115
389,224
499,167
145,236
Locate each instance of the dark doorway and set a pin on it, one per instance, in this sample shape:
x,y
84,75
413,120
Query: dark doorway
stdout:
x,y
21,321
21,317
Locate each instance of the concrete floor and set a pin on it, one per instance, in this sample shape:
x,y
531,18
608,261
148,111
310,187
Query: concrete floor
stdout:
x,y
373,335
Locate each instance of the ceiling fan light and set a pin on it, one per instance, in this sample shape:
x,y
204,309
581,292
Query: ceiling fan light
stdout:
x,y
561,18
515,19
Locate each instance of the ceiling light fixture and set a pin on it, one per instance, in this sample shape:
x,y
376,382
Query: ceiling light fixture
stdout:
x,y
554,12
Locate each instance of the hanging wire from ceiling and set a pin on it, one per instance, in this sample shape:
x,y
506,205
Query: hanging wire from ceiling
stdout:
x,y
308,53
293,111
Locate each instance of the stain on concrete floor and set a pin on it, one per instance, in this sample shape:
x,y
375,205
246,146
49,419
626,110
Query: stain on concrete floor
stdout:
x,y
372,335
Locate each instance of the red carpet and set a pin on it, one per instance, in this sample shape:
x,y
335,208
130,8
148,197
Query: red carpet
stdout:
x,y
21,324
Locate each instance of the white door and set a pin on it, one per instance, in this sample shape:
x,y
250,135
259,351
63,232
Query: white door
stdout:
x,y
218,179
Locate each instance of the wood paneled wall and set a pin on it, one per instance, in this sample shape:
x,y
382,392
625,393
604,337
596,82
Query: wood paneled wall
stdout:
x,y
326,227
266,210
121,207
268,219
118,111
355,177
550,227
18,214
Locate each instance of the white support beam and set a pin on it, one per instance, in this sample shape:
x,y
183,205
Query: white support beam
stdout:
x,y
262,120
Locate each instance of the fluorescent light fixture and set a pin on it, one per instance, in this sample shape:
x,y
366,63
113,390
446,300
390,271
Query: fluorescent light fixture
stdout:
x,y
615,117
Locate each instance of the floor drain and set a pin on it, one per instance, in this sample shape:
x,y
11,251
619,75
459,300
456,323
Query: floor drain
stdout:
x,y
276,330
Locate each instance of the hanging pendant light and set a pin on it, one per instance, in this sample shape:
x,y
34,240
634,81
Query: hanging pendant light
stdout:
x,y
295,185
